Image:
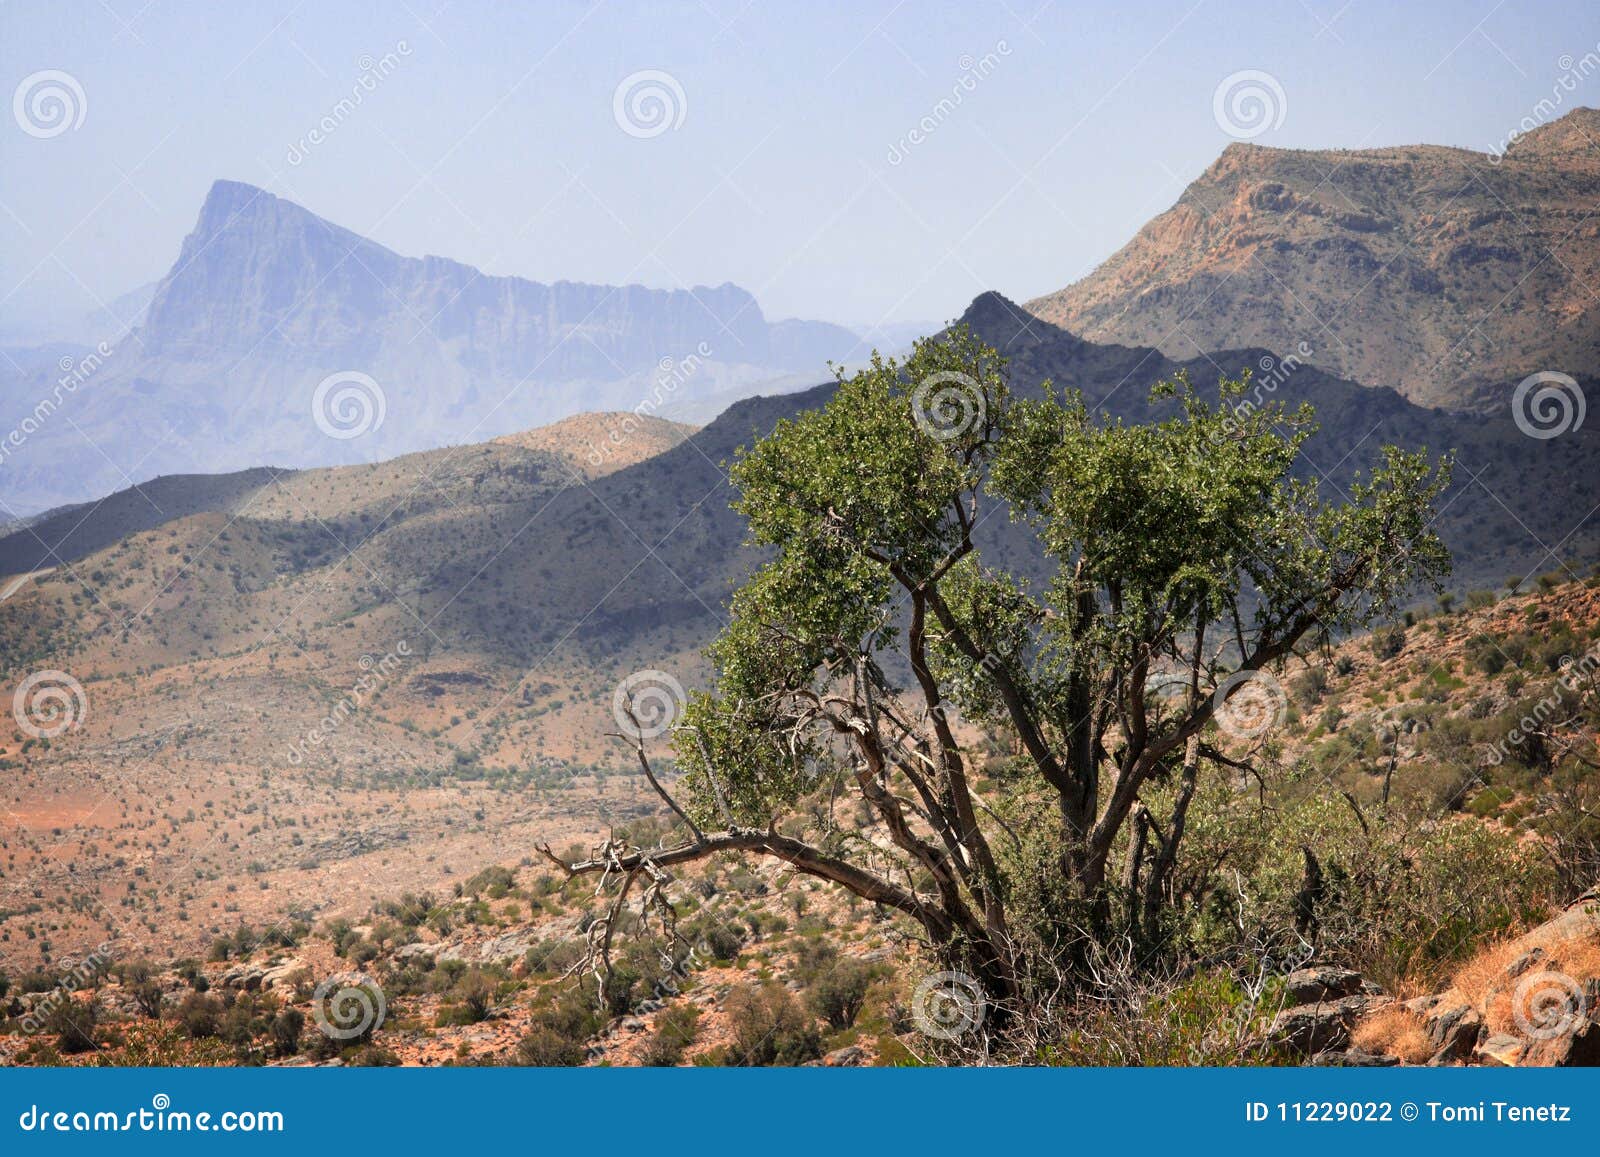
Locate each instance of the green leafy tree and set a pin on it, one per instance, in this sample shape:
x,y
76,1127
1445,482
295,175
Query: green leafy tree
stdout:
x,y
1184,560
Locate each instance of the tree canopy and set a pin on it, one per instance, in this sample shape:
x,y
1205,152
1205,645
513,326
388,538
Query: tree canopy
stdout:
x,y
875,665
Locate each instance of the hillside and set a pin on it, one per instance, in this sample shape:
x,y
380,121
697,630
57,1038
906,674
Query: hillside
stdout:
x,y
1398,749
500,594
1447,274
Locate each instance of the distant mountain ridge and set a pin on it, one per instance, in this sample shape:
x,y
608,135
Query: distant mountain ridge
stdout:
x,y
1448,274
267,300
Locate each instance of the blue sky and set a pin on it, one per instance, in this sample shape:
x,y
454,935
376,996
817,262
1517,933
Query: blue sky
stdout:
x,y
493,138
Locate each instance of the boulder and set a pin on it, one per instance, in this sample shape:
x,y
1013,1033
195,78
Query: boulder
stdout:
x,y
1325,1025
846,1057
1310,985
1453,1031
244,977
1354,1059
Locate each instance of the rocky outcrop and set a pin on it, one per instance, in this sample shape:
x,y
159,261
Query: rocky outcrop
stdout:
x,y
1402,255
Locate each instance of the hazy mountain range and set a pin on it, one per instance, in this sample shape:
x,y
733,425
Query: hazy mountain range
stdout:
x,y
266,301
1448,274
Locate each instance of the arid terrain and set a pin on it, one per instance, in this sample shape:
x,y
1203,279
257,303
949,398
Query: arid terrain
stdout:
x,y
1447,274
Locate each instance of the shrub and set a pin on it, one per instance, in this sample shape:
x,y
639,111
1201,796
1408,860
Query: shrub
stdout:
x,y
675,1030
199,1015
73,1022
838,994
769,1028
285,1032
1387,642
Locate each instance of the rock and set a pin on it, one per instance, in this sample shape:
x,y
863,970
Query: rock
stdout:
x,y
1354,1059
244,977
632,1024
1310,985
1578,1048
1325,1025
1501,1049
281,975
1453,1032
510,946
846,1057
1527,960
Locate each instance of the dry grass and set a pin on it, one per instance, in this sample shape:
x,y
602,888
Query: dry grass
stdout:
x,y
1483,983
1394,1031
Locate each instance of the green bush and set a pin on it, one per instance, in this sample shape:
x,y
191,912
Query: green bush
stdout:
x,y
769,1028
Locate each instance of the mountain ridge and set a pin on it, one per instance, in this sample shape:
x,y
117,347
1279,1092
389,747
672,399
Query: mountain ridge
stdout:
x,y
1446,273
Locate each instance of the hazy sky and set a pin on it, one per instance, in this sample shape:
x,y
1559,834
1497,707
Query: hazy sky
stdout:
x,y
492,134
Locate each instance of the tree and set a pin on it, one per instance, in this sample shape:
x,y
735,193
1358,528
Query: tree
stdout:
x,y
1182,560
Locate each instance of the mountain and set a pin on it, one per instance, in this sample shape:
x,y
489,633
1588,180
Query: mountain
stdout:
x,y
1448,274
353,681
278,337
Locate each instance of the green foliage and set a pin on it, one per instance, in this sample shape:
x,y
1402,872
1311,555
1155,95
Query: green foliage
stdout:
x,y
769,1028
675,1030
838,994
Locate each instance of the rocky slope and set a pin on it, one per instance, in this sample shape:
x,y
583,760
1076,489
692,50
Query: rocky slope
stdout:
x,y
1447,274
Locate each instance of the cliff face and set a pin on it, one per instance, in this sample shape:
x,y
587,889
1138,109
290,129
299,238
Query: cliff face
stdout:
x,y
267,300
1447,274
262,276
